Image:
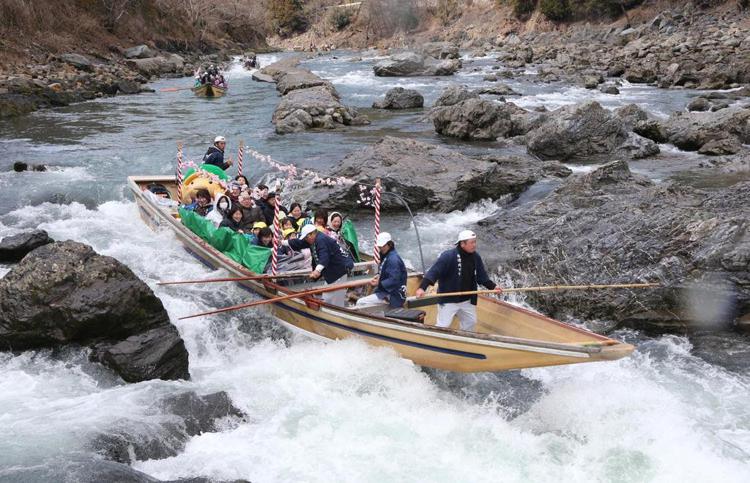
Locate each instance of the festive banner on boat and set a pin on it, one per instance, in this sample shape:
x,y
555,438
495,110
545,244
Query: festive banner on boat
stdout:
x,y
232,244
350,235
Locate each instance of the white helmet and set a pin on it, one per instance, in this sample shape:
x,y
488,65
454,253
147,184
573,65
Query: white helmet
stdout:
x,y
466,235
306,230
219,139
383,239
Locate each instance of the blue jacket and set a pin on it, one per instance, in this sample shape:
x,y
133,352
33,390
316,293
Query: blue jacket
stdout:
x,y
215,156
392,282
447,273
328,253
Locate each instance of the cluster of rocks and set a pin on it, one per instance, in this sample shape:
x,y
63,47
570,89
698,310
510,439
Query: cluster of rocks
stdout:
x,y
411,64
611,226
679,47
578,131
65,293
307,101
68,78
448,180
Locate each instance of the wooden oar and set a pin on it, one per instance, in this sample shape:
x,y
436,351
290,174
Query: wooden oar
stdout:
x,y
327,288
432,299
239,279
174,89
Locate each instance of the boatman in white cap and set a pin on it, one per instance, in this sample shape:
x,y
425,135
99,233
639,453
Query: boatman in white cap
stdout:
x,y
459,269
390,284
330,260
215,154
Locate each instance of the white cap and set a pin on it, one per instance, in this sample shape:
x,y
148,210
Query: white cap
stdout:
x,y
466,235
383,239
306,230
219,139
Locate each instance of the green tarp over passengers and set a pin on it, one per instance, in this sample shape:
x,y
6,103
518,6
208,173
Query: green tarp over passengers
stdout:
x,y
233,245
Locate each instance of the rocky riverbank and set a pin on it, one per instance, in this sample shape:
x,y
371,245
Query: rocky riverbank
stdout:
x,y
60,80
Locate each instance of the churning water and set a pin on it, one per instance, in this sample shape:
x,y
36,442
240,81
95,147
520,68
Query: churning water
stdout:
x,y
338,411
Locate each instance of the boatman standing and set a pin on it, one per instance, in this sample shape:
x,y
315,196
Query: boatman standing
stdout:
x,y
458,270
215,154
329,259
390,284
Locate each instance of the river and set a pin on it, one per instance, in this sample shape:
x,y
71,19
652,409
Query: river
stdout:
x,y
339,411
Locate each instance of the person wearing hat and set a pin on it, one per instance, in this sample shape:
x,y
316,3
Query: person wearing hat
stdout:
x,y
390,284
269,208
329,260
215,154
459,269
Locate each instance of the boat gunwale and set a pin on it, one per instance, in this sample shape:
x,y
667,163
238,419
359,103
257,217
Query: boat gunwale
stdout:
x,y
264,288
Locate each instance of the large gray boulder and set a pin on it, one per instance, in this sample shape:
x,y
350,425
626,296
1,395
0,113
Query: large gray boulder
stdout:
x,y
400,98
581,131
139,52
474,119
409,64
447,180
315,107
65,293
614,226
441,50
691,130
294,79
13,248
77,60
454,94
158,65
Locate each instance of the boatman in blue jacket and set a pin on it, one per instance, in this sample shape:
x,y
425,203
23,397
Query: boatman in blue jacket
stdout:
x,y
390,284
215,154
330,260
459,269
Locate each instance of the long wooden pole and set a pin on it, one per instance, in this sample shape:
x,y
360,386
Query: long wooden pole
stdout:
x,y
418,302
238,279
327,288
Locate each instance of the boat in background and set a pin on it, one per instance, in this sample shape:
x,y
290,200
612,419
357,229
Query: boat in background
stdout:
x,y
506,337
209,90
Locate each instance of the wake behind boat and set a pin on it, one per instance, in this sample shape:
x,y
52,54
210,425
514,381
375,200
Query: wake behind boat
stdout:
x,y
506,337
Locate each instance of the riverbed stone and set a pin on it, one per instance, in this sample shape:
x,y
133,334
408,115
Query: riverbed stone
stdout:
x,y
14,247
400,98
454,94
408,64
448,179
65,293
689,131
139,52
614,226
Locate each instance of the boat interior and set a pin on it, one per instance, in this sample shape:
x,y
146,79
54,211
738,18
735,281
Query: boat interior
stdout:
x,y
494,316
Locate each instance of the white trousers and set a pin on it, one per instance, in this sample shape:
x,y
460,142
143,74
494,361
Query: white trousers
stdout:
x,y
371,301
466,312
337,297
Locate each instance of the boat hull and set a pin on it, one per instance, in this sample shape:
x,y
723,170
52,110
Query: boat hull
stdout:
x,y
208,90
510,337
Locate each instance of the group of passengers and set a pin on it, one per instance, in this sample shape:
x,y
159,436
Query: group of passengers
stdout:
x,y
318,244
210,75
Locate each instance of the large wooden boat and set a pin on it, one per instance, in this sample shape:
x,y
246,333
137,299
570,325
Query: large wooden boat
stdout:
x,y
506,337
209,90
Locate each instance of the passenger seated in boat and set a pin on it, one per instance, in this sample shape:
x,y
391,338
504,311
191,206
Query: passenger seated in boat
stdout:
x,y
222,206
260,193
390,284
250,213
215,154
242,181
269,208
295,213
264,238
286,224
234,220
233,191
202,204
335,221
320,220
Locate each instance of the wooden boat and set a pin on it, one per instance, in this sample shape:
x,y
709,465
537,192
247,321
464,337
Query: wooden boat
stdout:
x,y
507,337
209,90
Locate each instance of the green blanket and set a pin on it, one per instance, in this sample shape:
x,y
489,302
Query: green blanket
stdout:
x,y
232,244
